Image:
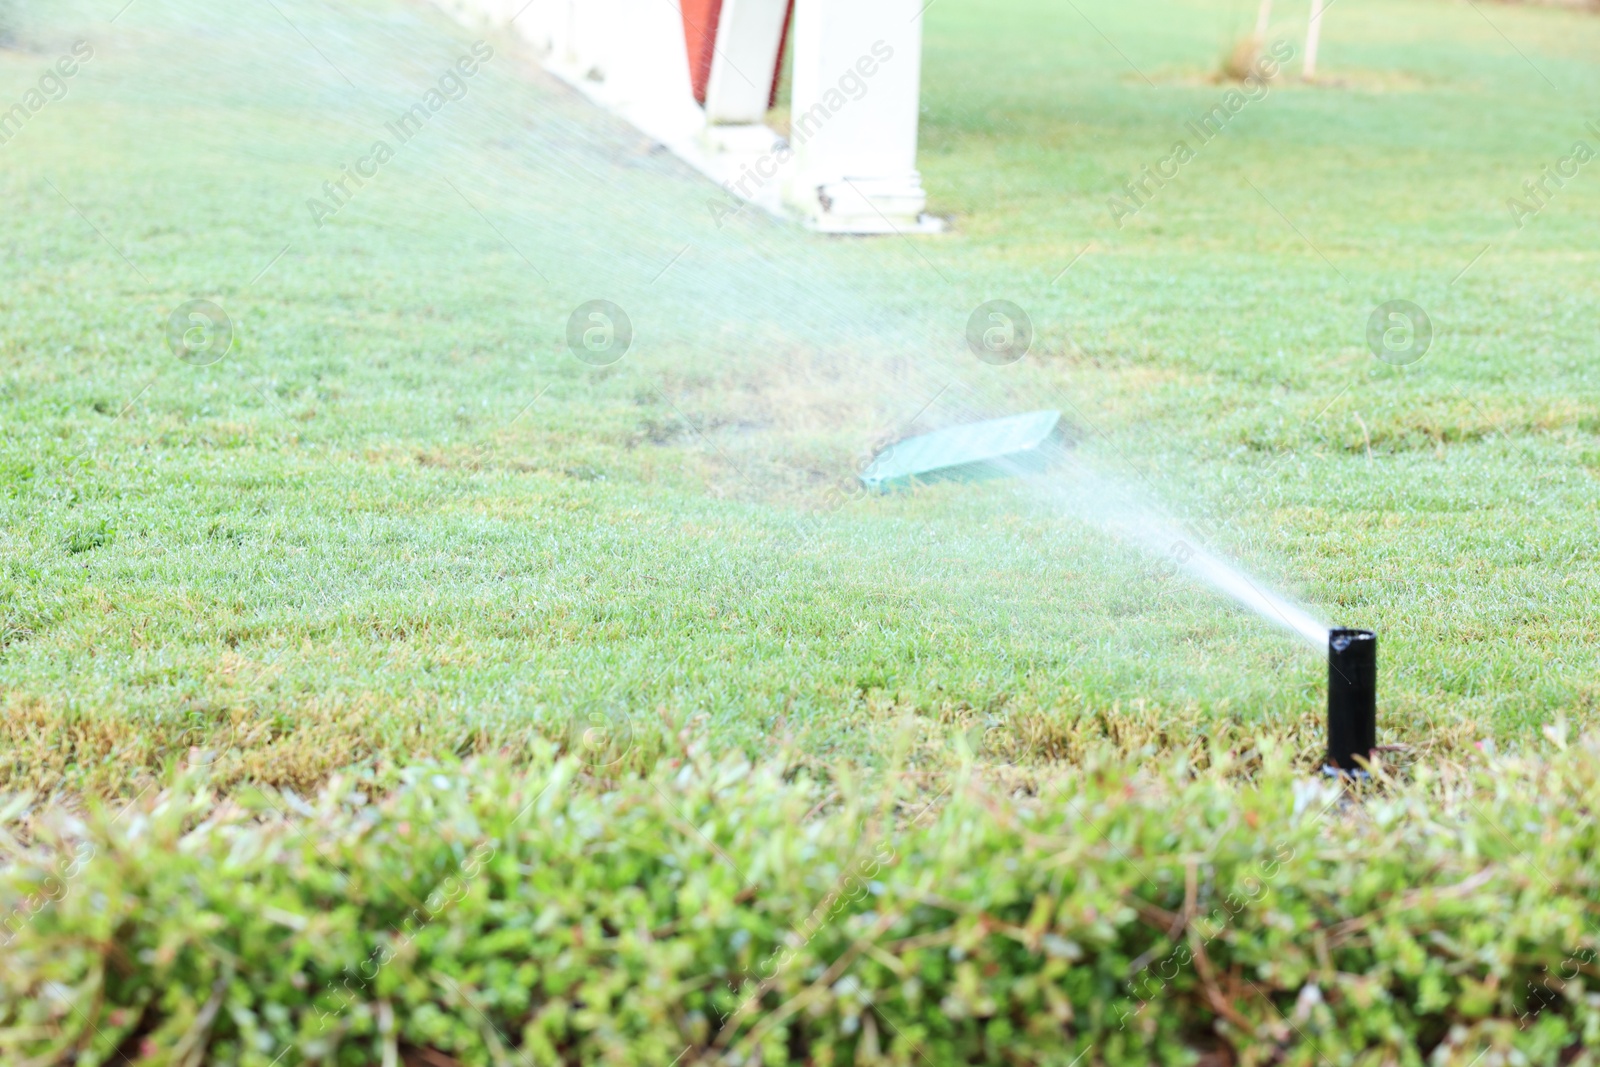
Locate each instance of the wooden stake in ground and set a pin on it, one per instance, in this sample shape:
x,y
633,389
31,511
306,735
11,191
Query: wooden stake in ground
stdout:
x,y
1313,34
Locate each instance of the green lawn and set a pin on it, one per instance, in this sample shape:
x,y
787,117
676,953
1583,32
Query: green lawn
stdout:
x,y
399,520
1014,780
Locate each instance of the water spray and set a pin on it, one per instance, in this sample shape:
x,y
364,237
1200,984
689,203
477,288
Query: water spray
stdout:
x,y
1021,444
1352,700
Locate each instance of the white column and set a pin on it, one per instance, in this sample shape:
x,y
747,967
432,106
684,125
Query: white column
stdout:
x,y
1313,34
853,125
746,57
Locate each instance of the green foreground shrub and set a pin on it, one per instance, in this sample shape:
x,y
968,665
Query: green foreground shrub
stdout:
x,y
490,914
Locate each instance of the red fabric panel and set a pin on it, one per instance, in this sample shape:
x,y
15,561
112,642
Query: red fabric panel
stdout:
x,y
777,68
700,35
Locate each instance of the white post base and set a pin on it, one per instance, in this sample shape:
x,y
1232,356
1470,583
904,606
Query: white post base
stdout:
x,y
872,205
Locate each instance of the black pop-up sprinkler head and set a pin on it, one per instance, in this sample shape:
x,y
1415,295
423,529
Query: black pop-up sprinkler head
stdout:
x,y
1352,699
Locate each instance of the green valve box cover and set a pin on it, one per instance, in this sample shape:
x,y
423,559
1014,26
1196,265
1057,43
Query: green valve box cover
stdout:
x,y
975,450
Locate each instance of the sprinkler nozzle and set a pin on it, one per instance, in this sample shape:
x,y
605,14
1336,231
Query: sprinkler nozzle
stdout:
x,y
1352,699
